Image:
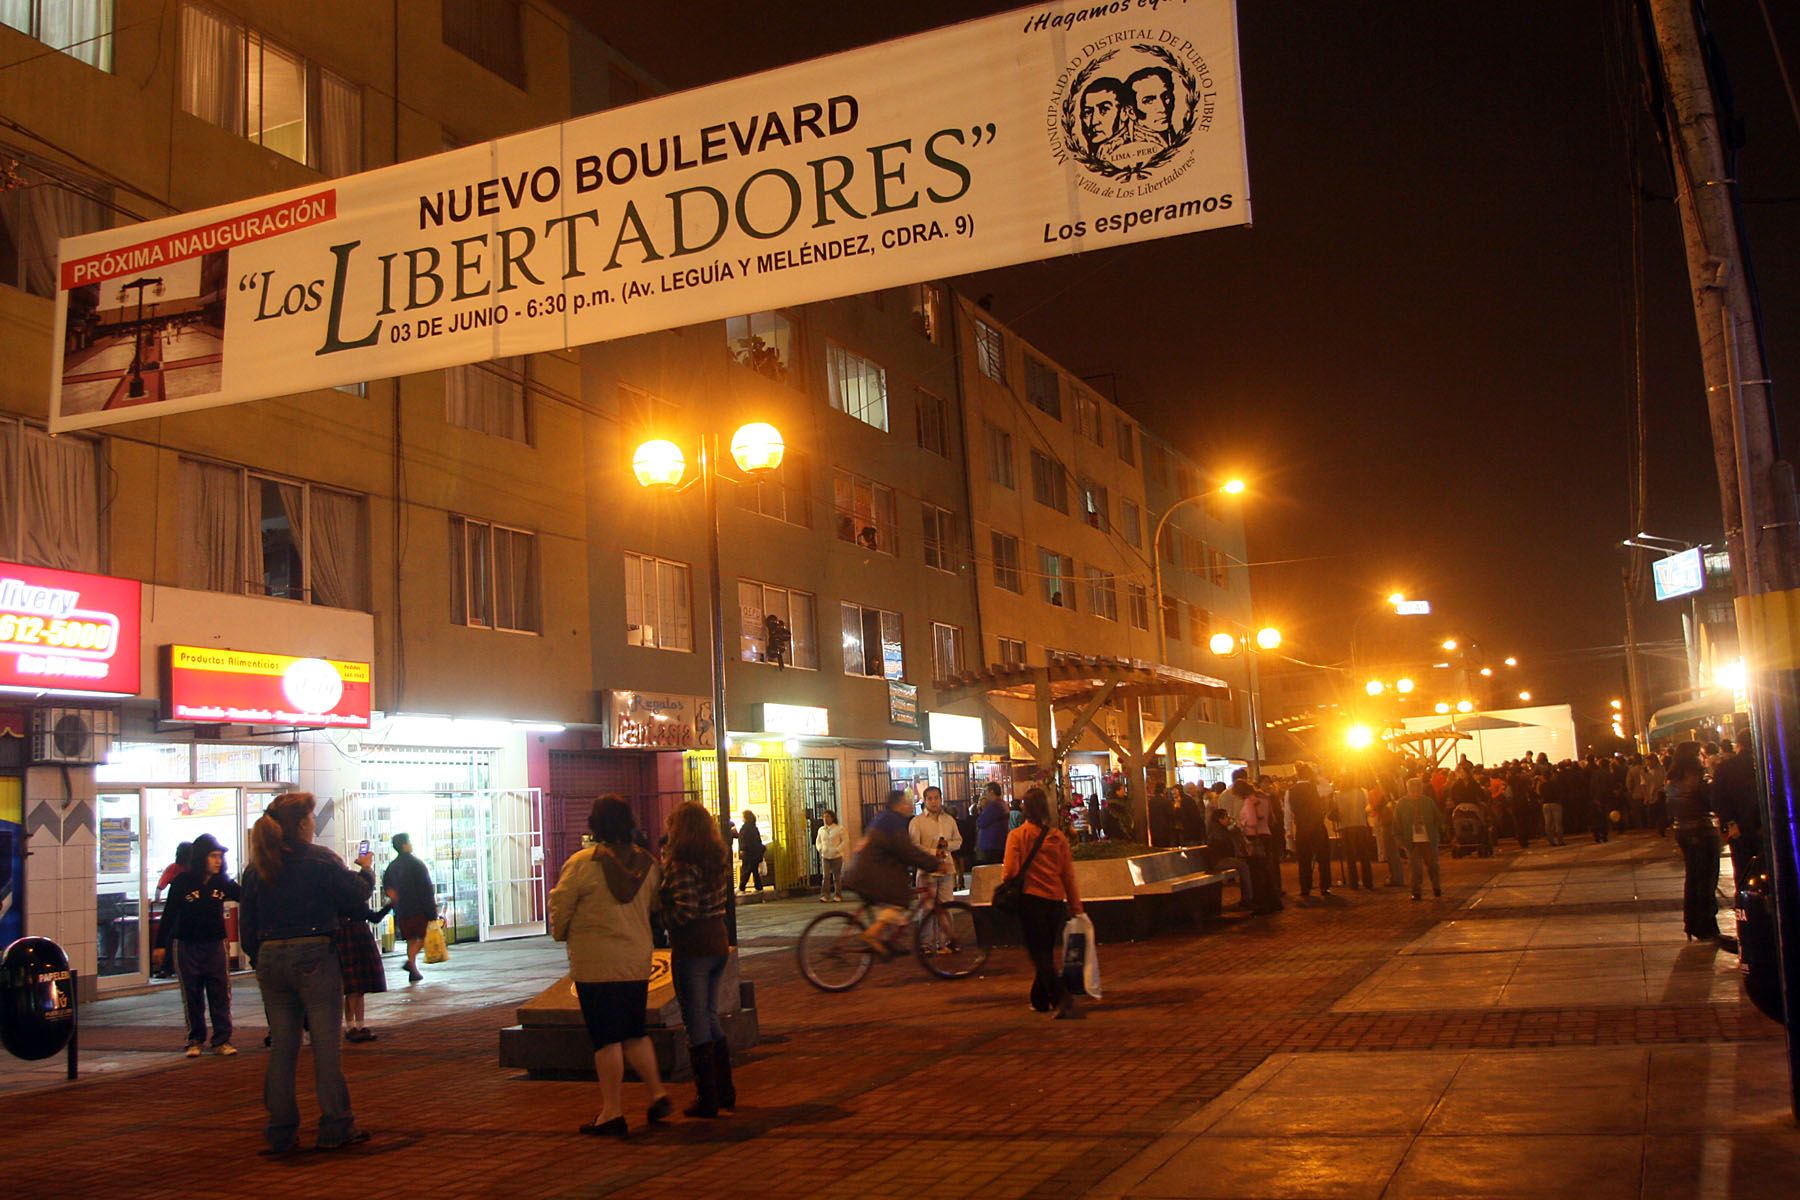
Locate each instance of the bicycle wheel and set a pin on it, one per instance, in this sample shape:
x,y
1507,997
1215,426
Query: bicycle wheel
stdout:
x,y
831,952
955,946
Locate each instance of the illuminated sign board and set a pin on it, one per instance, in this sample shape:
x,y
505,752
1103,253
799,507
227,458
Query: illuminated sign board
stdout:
x,y
63,631
964,735
903,704
1678,574
795,720
654,721
1413,608
1190,752
212,686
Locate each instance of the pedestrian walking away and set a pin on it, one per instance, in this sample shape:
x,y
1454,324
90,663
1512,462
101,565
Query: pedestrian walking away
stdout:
x,y
992,825
407,885
1312,842
695,894
193,934
1420,821
830,842
750,853
1039,853
1690,806
294,892
600,910
359,962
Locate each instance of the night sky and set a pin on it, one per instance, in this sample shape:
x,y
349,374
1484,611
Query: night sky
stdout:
x,y
1420,354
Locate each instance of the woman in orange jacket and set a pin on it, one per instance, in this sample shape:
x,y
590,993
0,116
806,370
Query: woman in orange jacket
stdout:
x,y
1039,851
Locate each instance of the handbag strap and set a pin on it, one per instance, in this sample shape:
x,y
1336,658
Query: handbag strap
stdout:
x,y
1026,865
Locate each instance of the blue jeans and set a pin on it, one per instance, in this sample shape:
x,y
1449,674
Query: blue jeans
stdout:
x,y
697,991
301,980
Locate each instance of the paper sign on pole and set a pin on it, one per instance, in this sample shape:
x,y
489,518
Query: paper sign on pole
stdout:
x,y
1036,133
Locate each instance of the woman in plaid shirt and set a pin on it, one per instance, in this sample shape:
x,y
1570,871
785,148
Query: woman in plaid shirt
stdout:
x,y
696,888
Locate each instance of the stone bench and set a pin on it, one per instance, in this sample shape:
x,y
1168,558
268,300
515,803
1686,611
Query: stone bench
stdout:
x,y
1128,899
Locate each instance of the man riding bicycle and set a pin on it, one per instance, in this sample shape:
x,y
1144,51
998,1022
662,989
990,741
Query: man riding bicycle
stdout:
x,y
882,870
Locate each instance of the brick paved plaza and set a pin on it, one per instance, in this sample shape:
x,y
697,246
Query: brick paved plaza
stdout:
x,y
1541,1031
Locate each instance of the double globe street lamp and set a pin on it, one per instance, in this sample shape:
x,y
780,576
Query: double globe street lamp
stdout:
x,y
660,465
1266,640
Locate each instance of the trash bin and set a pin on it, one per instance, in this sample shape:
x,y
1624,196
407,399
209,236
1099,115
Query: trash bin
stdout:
x,y
1757,957
37,999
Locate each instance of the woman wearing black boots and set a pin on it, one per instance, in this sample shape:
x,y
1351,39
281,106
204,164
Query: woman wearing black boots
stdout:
x,y
696,888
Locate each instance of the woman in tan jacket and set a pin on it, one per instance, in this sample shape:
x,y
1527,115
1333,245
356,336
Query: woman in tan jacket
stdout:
x,y
600,908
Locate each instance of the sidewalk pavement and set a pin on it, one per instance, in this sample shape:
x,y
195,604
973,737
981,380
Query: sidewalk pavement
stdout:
x,y
1536,1033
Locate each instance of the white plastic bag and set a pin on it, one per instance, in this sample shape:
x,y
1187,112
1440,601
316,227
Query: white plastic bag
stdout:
x,y
1081,957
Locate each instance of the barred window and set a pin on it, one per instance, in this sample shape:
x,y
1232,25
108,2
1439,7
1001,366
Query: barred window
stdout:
x,y
990,351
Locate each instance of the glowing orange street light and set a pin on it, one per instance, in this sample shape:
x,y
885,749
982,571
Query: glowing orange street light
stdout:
x,y
659,464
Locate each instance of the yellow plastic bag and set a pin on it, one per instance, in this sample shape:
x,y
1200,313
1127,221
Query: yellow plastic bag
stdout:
x,y
436,949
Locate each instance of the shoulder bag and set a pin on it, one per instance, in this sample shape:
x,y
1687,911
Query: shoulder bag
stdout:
x,y
1007,895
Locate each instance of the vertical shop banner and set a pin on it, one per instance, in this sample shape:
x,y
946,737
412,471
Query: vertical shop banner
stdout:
x,y
1041,132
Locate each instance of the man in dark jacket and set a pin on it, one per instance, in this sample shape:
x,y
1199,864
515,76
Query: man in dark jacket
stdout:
x,y
407,885
1312,841
992,825
1736,801
881,871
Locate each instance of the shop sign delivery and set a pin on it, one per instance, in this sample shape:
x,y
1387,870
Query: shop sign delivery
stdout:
x,y
64,631
1046,131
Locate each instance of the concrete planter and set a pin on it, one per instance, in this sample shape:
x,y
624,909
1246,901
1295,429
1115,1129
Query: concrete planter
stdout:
x,y
1128,899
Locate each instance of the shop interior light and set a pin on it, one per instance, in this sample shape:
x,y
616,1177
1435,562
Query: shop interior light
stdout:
x,y
659,463
1403,686
757,447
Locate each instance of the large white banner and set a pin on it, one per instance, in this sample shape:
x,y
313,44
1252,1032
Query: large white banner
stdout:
x,y
1041,132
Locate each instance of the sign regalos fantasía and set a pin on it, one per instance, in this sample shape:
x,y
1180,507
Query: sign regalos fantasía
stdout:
x,y
65,631
240,687
1036,133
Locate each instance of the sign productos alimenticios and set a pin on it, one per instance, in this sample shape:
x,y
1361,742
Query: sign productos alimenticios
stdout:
x,y
208,685
1035,133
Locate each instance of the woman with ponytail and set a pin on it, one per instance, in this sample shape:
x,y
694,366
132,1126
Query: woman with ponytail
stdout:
x,y
294,893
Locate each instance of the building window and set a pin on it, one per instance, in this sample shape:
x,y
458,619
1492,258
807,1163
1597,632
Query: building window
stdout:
x,y
940,537
1165,545
659,607
872,643
1087,418
490,398
857,387
1058,573
1215,567
934,423
493,576
990,351
645,413
256,534
1171,615
1125,439
1199,621
1007,572
865,512
489,32
1043,387
1137,599
1049,482
81,29
37,209
1184,480
50,499
235,78
1103,594
946,651
1002,470
764,342
1011,651
777,625
1096,509
784,493
1156,465
1131,522
927,310
1191,553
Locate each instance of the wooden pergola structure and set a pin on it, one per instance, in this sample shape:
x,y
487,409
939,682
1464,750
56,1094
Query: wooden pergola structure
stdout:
x,y
1069,695
1436,742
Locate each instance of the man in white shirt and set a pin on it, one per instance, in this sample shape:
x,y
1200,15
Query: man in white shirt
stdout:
x,y
935,832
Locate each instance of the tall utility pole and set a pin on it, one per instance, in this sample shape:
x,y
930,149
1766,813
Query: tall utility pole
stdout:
x,y
1756,490
1634,679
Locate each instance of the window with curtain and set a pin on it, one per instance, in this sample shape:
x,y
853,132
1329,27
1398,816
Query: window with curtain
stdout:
x,y
946,650
50,499
1011,651
865,512
1049,482
1008,573
250,533
211,554
1103,594
36,211
873,644
81,29
659,611
856,386
338,549
1056,576
493,576
764,342
515,580
784,493
489,32
1043,387
490,397
234,77
276,558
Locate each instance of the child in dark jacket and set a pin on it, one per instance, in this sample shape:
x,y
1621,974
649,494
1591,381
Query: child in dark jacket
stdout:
x,y
193,928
